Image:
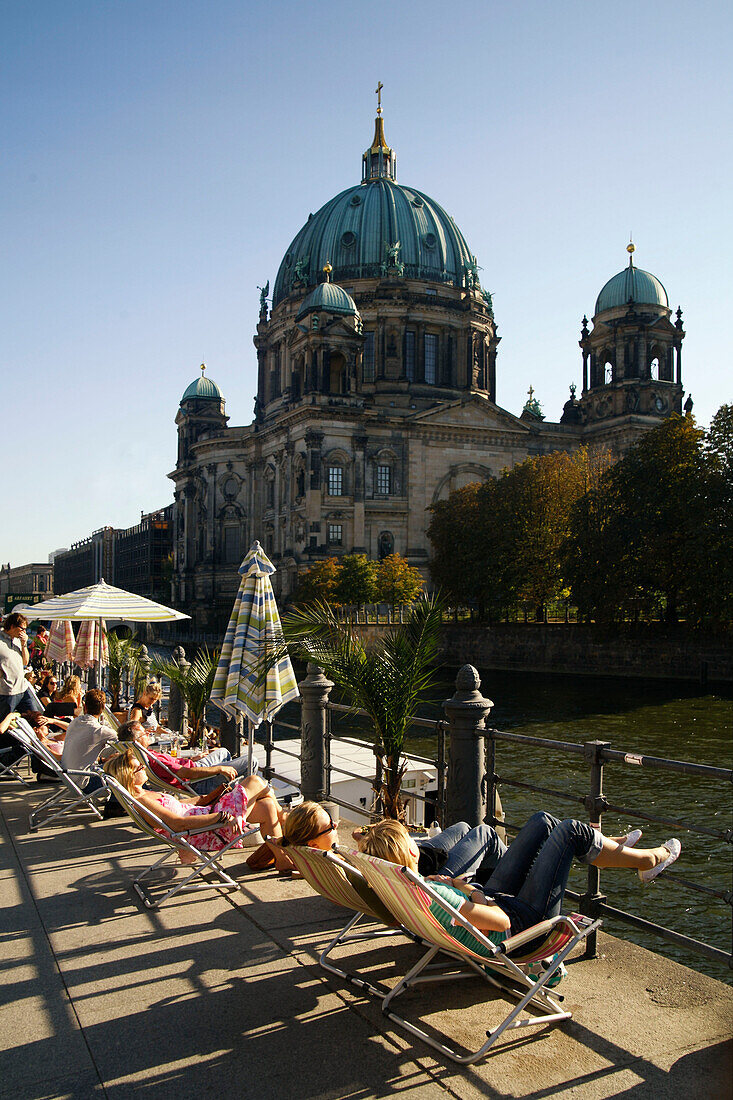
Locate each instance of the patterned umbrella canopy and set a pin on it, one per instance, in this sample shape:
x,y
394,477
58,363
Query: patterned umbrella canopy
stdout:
x,y
254,631
60,645
87,644
102,601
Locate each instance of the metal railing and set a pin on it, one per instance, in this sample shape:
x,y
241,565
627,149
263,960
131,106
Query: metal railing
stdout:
x,y
597,754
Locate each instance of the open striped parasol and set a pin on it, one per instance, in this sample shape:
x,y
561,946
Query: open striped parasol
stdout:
x,y
254,632
102,601
60,645
87,644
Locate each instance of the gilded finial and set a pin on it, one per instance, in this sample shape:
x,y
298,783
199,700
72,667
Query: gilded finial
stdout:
x,y
203,369
631,249
327,270
378,94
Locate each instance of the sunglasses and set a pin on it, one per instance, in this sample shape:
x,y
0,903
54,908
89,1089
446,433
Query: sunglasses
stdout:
x,y
329,828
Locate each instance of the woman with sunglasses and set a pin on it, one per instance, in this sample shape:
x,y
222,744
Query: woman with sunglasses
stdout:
x,y
225,809
47,690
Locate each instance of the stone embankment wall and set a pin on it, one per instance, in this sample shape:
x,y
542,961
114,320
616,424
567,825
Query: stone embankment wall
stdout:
x,y
590,650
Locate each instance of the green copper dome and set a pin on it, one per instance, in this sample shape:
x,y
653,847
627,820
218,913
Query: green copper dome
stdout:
x,y
329,298
641,287
375,228
203,387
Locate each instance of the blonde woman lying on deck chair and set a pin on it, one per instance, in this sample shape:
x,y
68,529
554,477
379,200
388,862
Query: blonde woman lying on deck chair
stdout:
x,y
528,883
225,809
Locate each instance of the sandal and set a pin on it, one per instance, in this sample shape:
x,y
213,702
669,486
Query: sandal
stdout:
x,y
674,848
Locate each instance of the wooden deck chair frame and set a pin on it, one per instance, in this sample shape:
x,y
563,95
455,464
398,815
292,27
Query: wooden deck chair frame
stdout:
x,y
175,842
70,794
409,897
334,879
9,769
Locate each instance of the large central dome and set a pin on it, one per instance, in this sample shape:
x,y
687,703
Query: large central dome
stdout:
x,y
354,231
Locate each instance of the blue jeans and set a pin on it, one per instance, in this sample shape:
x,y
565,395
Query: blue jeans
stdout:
x,y
23,701
529,882
472,853
211,760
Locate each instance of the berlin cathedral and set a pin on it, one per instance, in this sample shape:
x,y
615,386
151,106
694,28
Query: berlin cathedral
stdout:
x,y
376,394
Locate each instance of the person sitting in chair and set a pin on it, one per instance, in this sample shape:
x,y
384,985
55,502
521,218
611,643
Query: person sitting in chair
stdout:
x,y
225,809
203,773
529,880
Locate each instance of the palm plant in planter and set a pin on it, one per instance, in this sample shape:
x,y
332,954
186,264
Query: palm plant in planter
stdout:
x,y
124,656
194,681
386,677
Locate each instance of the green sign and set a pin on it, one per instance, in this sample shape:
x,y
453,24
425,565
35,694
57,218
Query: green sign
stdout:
x,y
22,597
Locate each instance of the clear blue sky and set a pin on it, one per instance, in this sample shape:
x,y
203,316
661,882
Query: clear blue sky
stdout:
x,y
159,156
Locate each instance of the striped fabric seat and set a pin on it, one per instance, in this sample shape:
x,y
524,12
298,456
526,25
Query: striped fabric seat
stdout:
x,y
411,900
342,884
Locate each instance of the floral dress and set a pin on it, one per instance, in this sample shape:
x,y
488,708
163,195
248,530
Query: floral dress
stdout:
x,y
233,802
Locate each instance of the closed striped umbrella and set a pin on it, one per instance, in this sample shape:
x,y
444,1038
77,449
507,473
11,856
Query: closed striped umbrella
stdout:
x,y
60,646
87,644
254,632
102,601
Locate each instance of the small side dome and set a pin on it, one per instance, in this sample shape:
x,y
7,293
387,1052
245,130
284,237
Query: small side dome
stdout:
x,y
641,287
203,388
328,298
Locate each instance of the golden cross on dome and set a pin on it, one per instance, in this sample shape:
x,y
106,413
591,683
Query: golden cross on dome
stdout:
x,y
378,94
530,391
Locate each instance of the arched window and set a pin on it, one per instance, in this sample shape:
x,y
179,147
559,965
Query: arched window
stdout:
x,y
337,380
654,367
386,544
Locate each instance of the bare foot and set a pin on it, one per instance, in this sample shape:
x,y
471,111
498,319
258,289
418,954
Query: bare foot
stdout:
x,y
186,858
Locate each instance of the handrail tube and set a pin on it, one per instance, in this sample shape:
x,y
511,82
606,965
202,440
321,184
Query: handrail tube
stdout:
x,y
537,742
690,826
541,790
662,763
668,934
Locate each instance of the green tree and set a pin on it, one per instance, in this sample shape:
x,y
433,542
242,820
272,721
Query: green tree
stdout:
x,y
654,537
357,580
386,677
398,583
319,582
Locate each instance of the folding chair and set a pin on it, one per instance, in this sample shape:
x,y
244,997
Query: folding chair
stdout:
x,y
175,842
153,779
70,793
409,898
9,768
344,885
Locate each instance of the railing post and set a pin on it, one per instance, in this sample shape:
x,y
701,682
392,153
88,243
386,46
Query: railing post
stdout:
x,y
595,803
314,691
176,702
466,712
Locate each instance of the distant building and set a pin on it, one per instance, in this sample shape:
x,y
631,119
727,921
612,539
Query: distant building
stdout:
x,y
25,584
88,561
377,390
142,556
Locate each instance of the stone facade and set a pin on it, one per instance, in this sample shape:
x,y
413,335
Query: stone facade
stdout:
x,y
376,397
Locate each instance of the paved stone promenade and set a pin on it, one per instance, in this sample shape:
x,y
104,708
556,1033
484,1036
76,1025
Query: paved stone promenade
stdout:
x,y
222,996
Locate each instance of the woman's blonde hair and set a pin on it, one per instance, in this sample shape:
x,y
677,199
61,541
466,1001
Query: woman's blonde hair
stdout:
x,y
153,688
72,686
301,824
122,768
388,840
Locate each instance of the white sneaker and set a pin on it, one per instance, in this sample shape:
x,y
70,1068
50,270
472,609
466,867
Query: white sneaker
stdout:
x,y
674,848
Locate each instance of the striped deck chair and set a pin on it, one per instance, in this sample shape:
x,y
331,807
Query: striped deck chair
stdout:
x,y
70,793
9,764
153,779
340,883
410,898
174,842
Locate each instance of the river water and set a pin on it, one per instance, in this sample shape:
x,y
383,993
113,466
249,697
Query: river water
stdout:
x,y
656,718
